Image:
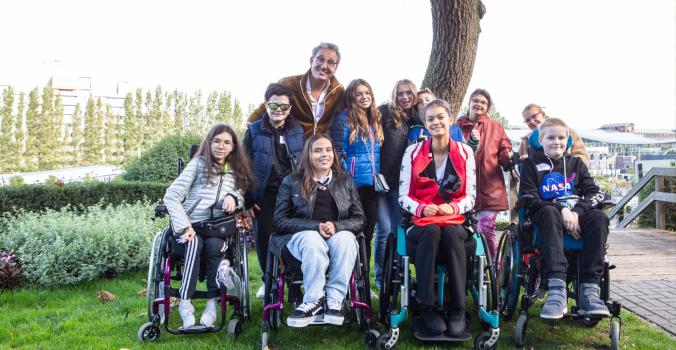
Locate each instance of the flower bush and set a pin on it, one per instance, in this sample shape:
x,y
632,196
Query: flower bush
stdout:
x,y
70,246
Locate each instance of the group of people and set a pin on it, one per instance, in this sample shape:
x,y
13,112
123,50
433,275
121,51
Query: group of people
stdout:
x,y
315,165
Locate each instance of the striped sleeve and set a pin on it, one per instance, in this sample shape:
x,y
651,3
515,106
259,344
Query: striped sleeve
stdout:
x,y
407,202
176,194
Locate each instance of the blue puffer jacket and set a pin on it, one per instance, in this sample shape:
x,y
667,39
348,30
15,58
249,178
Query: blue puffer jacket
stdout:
x,y
259,144
357,155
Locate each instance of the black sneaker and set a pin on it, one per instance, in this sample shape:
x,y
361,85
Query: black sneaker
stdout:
x,y
432,321
306,313
334,312
456,323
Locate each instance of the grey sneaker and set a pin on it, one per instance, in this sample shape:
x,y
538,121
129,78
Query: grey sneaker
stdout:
x,y
556,304
590,303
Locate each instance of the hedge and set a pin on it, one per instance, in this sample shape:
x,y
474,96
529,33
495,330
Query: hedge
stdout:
x,y
158,163
69,246
37,198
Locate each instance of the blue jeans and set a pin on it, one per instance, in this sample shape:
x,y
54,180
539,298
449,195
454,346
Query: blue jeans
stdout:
x,y
338,254
389,217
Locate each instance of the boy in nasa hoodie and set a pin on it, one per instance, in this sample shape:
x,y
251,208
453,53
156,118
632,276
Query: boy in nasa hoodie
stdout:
x,y
550,174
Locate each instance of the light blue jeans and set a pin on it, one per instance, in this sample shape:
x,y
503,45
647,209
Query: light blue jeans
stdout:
x,y
389,216
338,254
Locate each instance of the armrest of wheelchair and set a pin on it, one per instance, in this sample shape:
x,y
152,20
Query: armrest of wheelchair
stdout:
x,y
161,210
470,218
526,201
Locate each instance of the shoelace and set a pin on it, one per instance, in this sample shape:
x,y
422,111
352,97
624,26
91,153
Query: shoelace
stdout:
x,y
308,306
334,305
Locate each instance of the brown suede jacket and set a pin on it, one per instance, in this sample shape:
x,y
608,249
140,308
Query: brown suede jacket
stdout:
x,y
302,108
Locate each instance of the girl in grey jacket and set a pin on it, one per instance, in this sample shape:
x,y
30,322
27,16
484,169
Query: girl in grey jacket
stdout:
x,y
219,172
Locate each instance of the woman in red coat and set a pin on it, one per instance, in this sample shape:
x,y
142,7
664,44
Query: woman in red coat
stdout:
x,y
492,150
437,186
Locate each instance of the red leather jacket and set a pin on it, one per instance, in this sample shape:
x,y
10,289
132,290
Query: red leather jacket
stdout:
x,y
492,153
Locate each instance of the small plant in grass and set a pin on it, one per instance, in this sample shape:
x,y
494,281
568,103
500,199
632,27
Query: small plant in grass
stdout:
x,y
68,246
10,271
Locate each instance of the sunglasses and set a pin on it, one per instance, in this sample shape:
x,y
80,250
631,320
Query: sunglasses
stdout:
x,y
283,106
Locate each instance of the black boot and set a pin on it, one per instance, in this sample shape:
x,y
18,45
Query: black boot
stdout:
x,y
456,323
432,321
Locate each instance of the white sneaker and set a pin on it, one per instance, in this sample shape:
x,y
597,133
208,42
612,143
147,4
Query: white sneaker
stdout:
x,y
210,314
260,293
187,312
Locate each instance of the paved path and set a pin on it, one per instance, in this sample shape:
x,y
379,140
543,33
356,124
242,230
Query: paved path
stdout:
x,y
645,275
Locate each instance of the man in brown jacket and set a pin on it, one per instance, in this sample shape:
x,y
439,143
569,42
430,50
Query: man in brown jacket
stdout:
x,y
317,94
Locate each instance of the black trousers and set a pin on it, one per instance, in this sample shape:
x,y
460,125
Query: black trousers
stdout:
x,y
431,243
264,225
594,226
369,202
211,249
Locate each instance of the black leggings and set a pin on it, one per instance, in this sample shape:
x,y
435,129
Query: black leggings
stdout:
x,y
594,227
369,202
431,243
264,225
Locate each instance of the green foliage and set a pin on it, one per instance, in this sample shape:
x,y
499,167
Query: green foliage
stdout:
x,y
36,131
158,164
16,180
36,198
68,247
8,160
647,218
76,136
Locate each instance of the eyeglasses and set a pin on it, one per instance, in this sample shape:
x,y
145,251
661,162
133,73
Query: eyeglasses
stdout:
x,y
331,63
532,118
283,106
480,102
217,142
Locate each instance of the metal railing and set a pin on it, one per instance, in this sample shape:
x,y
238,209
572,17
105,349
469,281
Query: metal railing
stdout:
x,y
658,197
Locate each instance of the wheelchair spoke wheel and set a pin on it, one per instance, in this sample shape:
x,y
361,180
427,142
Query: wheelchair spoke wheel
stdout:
x,y
508,270
389,292
363,285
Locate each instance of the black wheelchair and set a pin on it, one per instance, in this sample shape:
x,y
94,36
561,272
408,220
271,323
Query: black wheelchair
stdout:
x,y
166,264
398,291
283,269
520,275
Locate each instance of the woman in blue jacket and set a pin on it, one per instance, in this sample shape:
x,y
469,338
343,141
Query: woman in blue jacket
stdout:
x,y
358,134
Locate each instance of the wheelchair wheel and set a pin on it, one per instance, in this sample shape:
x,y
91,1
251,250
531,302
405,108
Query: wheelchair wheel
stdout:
x,y
614,335
363,285
234,327
520,330
149,332
243,272
271,296
389,292
509,283
155,284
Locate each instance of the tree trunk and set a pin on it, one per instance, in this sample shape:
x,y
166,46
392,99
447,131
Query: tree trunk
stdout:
x,y
455,26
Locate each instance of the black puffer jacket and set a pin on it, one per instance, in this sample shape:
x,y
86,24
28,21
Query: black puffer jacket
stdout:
x,y
293,212
394,145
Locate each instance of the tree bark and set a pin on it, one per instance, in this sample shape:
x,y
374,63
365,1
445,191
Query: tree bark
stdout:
x,y
455,27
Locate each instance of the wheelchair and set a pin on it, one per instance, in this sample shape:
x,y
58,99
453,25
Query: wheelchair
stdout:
x,y
166,263
399,287
520,266
283,269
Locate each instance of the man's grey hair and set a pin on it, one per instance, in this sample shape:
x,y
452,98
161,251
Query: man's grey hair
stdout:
x,y
329,46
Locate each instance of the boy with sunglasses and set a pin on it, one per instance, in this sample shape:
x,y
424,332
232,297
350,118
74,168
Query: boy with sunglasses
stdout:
x,y
274,143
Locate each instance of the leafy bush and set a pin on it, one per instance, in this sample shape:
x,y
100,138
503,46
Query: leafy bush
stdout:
x,y
158,163
36,198
68,247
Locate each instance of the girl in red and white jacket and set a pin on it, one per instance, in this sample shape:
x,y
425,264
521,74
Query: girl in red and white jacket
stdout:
x,y
437,185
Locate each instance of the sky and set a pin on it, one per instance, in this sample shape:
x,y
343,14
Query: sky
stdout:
x,y
589,62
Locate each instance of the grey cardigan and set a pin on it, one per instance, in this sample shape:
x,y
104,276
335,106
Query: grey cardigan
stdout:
x,y
191,193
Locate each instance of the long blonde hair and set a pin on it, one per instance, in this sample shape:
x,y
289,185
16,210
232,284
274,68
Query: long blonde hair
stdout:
x,y
359,120
398,114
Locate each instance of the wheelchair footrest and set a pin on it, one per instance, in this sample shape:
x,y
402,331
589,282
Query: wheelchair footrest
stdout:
x,y
421,333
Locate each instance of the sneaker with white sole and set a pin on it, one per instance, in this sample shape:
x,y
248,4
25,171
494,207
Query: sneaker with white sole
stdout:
x,y
556,304
334,312
210,314
307,313
187,312
590,302
260,293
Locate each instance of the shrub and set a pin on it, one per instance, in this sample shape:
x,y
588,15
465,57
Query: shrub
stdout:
x,y
68,247
36,198
158,163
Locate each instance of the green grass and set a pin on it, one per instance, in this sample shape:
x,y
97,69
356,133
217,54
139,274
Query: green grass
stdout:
x,y
73,318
